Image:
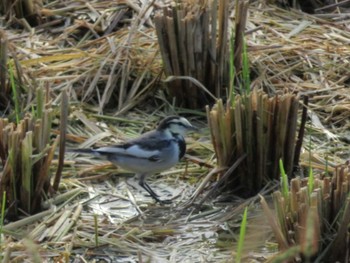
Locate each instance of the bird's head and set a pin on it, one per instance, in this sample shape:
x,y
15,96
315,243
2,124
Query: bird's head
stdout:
x,y
176,125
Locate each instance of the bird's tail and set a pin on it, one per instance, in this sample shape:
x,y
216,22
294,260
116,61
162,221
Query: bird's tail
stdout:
x,y
82,150
86,151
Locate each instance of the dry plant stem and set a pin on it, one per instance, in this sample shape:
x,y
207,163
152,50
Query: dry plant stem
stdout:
x,y
62,197
341,242
332,5
91,125
222,43
300,137
63,130
204,182
3,64
274,225
241,13
222,179
200,162
42,180
26,221
310,236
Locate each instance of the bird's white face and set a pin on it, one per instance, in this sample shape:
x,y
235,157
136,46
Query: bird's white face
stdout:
x,y
180,125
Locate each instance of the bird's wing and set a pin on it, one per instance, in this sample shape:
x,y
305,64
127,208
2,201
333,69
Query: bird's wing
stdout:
x,y
148,147
131,150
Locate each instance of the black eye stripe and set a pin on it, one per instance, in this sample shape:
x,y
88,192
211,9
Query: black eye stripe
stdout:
x,y
173,120
179,124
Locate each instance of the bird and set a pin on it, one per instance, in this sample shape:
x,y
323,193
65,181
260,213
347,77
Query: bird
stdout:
x,y
152,152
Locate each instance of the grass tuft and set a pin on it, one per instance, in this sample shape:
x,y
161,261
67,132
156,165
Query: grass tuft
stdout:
x,y
316,208
27,152
255,127
193,44
242,236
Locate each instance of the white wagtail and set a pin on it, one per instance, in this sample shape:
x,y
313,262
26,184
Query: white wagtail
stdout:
x,y
152,152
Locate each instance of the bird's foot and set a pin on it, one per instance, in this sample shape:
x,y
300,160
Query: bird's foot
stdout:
x,y
164,202
153,194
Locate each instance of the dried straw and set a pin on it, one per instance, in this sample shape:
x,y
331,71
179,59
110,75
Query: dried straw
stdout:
x,y
90,48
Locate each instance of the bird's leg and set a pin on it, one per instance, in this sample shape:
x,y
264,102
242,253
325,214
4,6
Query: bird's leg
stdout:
x,y
145,186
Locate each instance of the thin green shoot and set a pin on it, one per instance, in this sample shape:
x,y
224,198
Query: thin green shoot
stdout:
x,y
284,181
245,68
327,171
15,94
27,178
32,110
310,145
287,255
12,161
2,213
311,175
310,181
39,103
3,60
232,68
242,236
96,229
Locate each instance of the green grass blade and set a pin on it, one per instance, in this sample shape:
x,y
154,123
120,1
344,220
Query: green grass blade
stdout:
x,y
13,165
232,69
3,61
15,94
327,167
63,130
39,103
2,213
27,180
286,255
245,68
96,229
311,181
284,181
242,236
